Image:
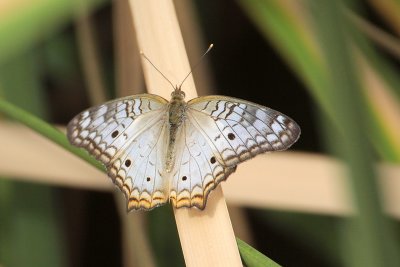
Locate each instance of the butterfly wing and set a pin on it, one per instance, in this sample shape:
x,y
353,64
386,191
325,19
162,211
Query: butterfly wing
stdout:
x,y
219,133
126,135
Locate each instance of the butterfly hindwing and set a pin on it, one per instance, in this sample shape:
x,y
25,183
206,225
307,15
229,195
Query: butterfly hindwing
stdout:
x,y
139,170
197,171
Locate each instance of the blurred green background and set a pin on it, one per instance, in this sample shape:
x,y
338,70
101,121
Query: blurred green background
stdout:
x,y
313,60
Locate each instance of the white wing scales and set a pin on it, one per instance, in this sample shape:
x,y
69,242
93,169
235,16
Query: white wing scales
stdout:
x,y
130,137
219,133
126,135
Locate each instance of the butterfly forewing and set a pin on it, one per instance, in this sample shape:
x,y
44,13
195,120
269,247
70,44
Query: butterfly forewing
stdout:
x,y
239,130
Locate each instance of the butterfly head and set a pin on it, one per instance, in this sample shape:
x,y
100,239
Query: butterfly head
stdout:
x,y
178,93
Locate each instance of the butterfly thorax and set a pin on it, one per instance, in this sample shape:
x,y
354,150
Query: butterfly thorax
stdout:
x,y
176,108
176,116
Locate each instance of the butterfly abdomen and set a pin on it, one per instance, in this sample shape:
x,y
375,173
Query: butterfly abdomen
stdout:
x,y
176,117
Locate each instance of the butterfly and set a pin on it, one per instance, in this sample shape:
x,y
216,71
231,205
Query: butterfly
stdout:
x,y
157,151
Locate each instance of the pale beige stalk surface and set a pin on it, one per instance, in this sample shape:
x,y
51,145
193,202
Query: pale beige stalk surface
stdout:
x,y
313,183
194,42
206,236
129,81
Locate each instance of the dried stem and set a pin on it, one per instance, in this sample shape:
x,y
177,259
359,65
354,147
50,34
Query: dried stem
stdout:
x,y
296,189
159,37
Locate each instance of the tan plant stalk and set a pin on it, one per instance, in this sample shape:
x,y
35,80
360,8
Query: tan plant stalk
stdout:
x,y
295,189
207,236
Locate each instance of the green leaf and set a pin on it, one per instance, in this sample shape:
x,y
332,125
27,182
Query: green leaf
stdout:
x,y
368,239
253,258
24,25
296,43
46,130
28,210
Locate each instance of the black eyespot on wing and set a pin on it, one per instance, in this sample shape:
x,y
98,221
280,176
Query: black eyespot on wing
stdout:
x,y
184,178
231,136
114,134
148,179
128,162
212,160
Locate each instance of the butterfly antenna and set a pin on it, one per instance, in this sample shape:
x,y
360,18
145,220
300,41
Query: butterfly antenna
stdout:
x,y
141,52
197,64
